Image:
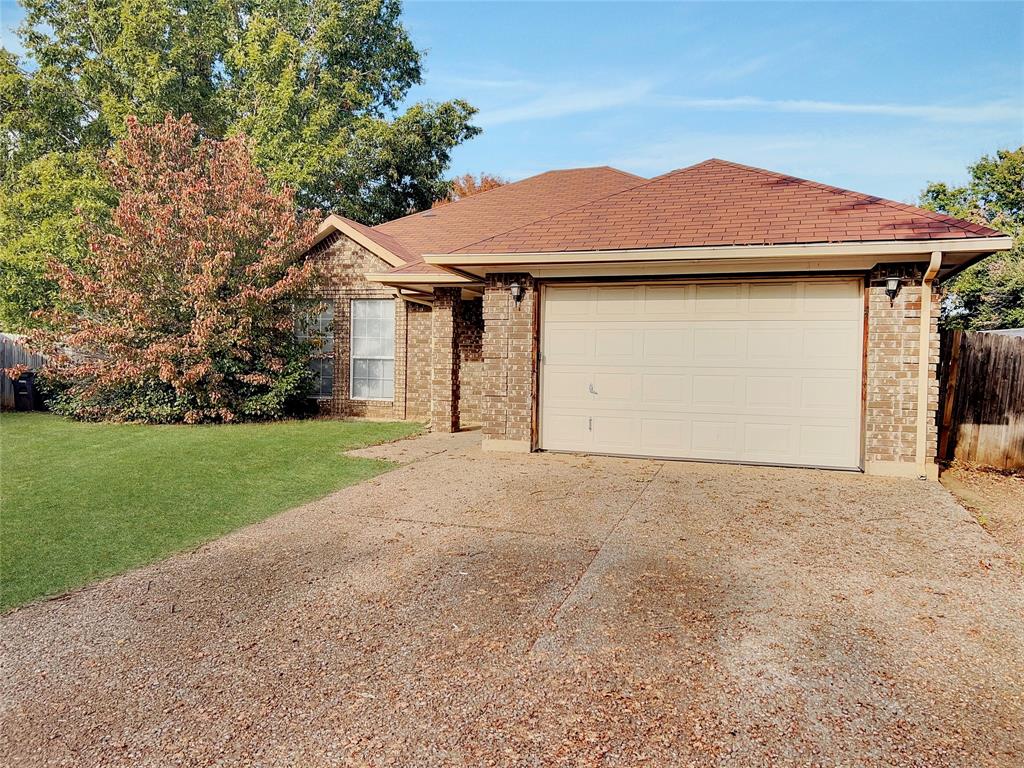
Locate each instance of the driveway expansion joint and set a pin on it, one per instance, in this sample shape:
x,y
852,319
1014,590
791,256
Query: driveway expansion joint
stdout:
x,y
553,619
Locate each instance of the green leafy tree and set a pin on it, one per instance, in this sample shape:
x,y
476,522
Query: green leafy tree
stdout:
x,y
990,294
43,223
317,87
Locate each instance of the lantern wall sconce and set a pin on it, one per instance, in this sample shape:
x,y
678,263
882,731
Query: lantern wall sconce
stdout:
x,y
517,292
892,288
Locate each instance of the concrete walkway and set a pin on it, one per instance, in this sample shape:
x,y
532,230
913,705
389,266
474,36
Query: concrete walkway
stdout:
x,y
484,609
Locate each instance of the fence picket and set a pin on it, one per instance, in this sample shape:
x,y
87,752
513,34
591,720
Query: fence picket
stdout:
x,y
981,417
12,353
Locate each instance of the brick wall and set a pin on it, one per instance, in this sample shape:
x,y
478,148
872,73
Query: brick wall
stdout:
x,y
508,361
345,264
417,386
892,368
444,360
470,343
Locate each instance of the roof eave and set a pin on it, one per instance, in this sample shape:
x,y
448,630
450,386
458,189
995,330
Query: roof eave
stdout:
x,y
867,247
426,279
335,223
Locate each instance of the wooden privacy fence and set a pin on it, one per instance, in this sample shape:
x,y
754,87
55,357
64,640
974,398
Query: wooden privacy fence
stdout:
x,y
981,399
11,354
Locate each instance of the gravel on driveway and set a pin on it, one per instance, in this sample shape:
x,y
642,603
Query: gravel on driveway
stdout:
x,y
476,609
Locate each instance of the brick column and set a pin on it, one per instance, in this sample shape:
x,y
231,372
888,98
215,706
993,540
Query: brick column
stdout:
x,y
444,360
893,340
508,367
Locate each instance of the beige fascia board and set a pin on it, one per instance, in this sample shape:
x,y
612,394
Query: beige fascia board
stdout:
x,y
704,267
885,248
448,278
698,267
335,223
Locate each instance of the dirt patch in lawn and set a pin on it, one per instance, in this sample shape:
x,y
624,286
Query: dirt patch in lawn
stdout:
x,y
995,498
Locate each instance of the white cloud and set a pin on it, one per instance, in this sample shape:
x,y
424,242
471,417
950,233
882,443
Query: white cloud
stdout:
x,y
988,112
564,99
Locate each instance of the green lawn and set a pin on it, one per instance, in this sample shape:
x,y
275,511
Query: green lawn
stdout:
x,y
83,501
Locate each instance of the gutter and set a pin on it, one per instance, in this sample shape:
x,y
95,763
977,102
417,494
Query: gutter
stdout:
x,y
879,248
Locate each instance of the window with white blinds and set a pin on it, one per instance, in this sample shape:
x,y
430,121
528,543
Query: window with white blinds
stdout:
x,y
373,349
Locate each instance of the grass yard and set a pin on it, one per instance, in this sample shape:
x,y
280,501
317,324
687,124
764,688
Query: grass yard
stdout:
x,y
82,501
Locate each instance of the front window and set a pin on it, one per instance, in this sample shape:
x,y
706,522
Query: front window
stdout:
x,y
373,349
317,327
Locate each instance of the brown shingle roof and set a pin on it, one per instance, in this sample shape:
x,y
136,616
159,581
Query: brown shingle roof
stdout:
x,y
452,226
721,203
384,240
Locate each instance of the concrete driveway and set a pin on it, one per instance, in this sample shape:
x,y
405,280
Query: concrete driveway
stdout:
x,y
477,609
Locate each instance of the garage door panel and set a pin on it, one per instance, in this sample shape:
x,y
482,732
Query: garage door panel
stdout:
x,y
668,300
567,345
717,300
567,384
715,439
769,344
826,395
665,436
768,299
778,393
769,442
614,434
823,444
614,345
716,391
573,430
569,304
830,299
831,345
659,389
617,300
755,371
614,386
671,344
714,344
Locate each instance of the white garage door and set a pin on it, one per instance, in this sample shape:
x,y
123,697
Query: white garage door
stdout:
x,y
761,371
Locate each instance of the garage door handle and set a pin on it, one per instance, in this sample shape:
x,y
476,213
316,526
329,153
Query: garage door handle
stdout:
x,y
592,390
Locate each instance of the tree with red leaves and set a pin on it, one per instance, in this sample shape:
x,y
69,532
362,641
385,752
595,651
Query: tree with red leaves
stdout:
x,y
184,308
467,185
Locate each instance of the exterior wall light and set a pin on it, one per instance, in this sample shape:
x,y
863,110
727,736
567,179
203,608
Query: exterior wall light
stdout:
x,y
517,292
892,288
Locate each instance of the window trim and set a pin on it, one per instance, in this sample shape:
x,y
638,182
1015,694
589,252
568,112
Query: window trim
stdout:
x,y
351,350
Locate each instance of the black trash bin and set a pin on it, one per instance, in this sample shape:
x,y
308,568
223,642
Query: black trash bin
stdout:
x,y
26,394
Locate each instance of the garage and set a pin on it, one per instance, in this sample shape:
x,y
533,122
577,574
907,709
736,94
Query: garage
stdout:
x,y
756,371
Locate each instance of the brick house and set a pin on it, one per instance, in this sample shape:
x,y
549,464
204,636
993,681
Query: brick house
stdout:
x,y
718,312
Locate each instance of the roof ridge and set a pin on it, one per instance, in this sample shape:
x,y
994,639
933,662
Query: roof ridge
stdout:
x,y
685,168
456,202
619,171
506,186
643,182
934,215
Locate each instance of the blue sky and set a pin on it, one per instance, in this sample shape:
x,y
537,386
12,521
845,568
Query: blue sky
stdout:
x,y
878,97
